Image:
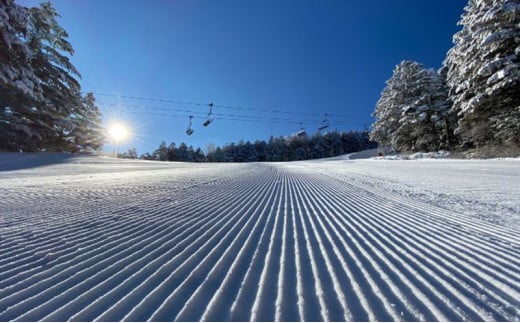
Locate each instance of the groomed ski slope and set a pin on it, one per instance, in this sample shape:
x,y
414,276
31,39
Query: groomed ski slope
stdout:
x,y
95,238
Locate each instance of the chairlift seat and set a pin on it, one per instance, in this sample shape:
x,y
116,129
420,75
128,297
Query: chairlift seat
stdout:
x,y
323,127
207,122
189,131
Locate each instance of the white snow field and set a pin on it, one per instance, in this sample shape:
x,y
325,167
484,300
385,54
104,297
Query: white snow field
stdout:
x,y
95,238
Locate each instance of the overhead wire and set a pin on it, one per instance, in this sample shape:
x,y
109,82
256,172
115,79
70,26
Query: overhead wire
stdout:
x,y
220,116
270,110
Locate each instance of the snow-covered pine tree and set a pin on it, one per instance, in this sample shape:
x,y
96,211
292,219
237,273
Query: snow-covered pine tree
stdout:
x,y
411,113
49,46
161,153
484,73
19,86
386,113
87,133
15,72
424,125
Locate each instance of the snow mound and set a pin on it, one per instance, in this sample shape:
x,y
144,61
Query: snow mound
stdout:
x,y
420,155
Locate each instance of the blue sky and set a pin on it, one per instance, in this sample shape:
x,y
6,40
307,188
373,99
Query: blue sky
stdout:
x,y
280,62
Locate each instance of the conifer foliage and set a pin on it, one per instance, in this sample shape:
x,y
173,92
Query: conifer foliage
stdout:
x,y
41,106
411,114
472,102
484,73
289,148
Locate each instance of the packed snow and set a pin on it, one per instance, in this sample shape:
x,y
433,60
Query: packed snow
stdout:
x,y
88,238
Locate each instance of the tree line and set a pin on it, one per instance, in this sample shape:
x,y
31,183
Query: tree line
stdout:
x,y
471,102
42,107
290,148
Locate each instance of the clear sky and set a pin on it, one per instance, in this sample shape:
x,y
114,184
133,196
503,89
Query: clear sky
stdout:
x,y
266,65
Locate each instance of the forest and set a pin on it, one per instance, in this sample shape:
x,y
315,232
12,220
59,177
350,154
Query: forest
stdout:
x,y
289,148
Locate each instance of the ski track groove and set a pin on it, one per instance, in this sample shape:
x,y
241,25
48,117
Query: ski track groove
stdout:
x,y
258,242
160,280
221,305
244,300
334,282
266,289
219,270
485,260
437,266
165,290
166,242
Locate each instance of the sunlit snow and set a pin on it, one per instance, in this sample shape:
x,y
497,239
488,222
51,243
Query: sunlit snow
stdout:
x,y
95,238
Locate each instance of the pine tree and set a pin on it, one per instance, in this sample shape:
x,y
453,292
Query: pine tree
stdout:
x,y
87,133
199,156
182,152
16,76
19,86
49,47
484,73
389,106
41,103
424,124
411,114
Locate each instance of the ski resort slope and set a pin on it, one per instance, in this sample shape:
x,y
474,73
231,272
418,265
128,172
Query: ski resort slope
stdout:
x,y
95,238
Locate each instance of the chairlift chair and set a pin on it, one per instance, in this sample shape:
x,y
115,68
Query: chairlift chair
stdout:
x,y
301,132
210,116
324,124
189,131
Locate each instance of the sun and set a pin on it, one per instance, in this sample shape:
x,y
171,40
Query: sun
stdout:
x,y
118,132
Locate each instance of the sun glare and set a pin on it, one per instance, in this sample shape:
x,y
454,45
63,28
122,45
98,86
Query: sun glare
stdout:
x,y
118,132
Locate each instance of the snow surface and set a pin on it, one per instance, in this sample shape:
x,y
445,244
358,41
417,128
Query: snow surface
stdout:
x,y
95,238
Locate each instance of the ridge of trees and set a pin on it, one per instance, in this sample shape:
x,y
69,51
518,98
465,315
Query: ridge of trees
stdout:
x,y
291,148
472,102
41,105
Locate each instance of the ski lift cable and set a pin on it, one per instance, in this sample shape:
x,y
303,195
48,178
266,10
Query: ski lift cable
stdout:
x,y
238,119
270,110
219,115
202,104
234,119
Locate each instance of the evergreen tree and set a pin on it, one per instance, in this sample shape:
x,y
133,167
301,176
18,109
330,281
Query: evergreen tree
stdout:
x,y
484,73
388,108
146,156
182,152
19,86
260,148
161,153
199,156
16,75
412,111
87,134
130,154
317,150
172,152
49,47
424,123
41,104
218,155
190,155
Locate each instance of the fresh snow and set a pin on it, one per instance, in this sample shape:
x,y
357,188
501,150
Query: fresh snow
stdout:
x,y
88,238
